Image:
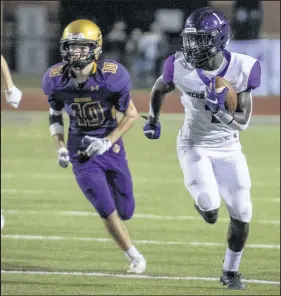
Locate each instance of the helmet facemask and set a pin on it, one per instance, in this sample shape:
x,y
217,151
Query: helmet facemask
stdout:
x,y
199,47
80,53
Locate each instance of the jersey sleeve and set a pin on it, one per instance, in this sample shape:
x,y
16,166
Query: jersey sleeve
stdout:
x,y
168,69
124,93
254,79
120,83
47,87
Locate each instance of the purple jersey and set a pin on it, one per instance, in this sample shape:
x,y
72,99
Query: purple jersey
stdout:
x,y
91,107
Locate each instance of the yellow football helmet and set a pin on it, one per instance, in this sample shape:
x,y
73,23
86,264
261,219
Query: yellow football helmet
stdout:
x,y
82,32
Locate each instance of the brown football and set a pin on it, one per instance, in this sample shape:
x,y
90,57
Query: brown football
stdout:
x,y
231,96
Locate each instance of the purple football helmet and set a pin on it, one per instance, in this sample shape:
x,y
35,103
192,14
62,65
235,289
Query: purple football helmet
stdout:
x,y
206,32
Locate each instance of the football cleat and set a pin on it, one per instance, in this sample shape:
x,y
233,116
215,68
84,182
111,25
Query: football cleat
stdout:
x,y
232,279
137,265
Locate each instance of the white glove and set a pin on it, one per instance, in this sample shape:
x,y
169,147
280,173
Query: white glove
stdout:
x,y
97,146
13,96
63,157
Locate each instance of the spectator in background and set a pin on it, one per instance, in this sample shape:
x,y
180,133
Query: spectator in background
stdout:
x,y
131,49
117,38
247,19
151,47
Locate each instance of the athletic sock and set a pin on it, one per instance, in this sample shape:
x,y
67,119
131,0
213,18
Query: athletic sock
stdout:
x,y
232,260
133,253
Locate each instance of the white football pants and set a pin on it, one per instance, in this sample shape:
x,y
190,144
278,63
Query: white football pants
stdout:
x,y
213,172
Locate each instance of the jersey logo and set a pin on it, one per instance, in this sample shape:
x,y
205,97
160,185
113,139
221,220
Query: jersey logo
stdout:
x,y
213,101
196,95
56,71
82,100
95,88
109,67
116,148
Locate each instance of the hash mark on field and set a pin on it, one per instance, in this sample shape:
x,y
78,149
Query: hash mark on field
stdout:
x,y
156,277
136,215
146,242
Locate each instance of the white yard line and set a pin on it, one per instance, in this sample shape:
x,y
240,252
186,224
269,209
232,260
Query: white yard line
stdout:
x,y
126,276
136,215
146,242
31,192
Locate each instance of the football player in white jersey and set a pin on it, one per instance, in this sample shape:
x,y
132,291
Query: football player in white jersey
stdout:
x,y
208,146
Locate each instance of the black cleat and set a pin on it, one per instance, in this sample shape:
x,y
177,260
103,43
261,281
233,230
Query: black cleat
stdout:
x,y
232,279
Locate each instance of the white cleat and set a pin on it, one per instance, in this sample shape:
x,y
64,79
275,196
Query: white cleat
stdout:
x,y
137,265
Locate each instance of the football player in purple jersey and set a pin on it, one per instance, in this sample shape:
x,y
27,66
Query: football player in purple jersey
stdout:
x,y
91,89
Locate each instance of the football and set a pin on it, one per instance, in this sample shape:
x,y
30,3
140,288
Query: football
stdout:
x,y
231,96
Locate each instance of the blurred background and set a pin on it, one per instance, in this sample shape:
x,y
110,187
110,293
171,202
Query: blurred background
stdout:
x,y
139,34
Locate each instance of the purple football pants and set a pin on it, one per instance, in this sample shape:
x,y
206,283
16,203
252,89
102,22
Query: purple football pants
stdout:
x,y
106,182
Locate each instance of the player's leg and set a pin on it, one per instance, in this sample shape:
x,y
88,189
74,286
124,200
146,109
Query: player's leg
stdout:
x,y
234,182
93,183
200,181
121,185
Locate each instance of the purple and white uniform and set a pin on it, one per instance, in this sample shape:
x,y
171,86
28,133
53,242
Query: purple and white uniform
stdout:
x,y
209,151
199,128
104,179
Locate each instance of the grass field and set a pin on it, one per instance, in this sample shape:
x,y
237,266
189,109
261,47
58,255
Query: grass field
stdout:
x,y
53,242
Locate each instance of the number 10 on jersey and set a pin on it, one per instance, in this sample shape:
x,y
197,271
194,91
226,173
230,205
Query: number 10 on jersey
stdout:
x,y
88,114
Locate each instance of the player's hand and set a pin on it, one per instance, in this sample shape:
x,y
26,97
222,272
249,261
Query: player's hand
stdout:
x,y
96,146
63,157
151,129
215,101
13,96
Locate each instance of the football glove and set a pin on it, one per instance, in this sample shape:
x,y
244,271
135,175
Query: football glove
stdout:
x,y
13,96
63,157
95,146
215,101
151,129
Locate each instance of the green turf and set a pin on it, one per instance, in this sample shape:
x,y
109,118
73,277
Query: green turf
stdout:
x,y
36,193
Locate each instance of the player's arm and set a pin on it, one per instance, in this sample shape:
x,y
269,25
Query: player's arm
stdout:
x,y
56,125
240,119
120,82
12,93
158,93
152,126
126,123
163,85
56,120
6,74
99,146
57,131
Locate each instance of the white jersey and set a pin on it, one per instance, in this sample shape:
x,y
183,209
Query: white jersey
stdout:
x,y
200,127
